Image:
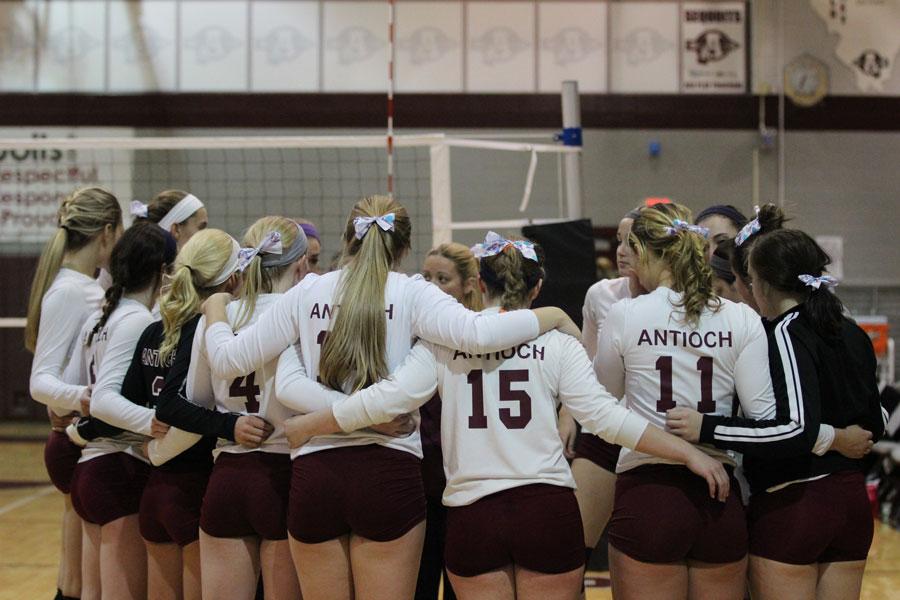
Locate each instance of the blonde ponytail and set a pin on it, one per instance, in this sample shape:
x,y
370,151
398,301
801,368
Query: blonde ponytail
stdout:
x,y
81,218
683,251
354,350
257,278
199,263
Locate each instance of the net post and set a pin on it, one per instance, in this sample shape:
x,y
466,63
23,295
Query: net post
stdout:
x,y
571,116
441,203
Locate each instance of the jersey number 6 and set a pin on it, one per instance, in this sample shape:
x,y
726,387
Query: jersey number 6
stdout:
x,y
478,420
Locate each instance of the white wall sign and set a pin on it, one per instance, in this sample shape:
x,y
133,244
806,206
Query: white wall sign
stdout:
x,y
33,183
713,47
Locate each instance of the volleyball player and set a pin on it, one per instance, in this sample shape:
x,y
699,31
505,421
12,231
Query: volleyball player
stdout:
x,y
514,529
375,523
314,240
453,268
768,218
63,294
243,526
180,213
723,275
110,476
723,221
679,345
810,519
594,466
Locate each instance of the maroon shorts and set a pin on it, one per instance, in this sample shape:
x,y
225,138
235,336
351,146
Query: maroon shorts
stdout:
x,y
537,527
821,521
170,506
370,491
108,487
663,514
247,496
60,458
598,451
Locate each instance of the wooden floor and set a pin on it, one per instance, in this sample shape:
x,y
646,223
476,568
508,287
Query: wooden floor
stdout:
x,y
30,511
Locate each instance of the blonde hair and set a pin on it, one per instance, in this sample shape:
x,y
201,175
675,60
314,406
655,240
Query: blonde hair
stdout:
x,y
258,279
198,264
683,252
354,350
162,203
511,276
466,266
82,217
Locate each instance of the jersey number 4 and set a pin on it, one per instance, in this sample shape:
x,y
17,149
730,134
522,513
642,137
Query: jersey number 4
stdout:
x,y
245,387
704,365
478,420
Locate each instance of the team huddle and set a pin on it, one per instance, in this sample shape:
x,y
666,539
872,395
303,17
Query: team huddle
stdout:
x,y
229,423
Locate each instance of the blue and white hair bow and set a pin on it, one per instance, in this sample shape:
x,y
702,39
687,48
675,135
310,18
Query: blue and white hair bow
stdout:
x,y
679,225
816,282
362,224
748,230
138,209
271,244
494,243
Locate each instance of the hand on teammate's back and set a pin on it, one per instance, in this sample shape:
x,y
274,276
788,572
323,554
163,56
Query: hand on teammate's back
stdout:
x,y
85,401
158,429
685,423
215,304
713,471
250,431
853,442
59,423
401,426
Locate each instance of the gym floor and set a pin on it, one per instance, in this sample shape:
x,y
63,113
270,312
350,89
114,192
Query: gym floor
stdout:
x,y
30,510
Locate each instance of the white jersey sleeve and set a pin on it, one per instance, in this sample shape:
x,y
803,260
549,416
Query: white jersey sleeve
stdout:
x,y
597,301
609,364
441,319
589,402
64,309
107,402
296,390
409,387
234,356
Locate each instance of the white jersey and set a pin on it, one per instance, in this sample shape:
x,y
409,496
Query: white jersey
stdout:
x,y
499,411
414,308
246,394
599,299
103,364
658,362
69,300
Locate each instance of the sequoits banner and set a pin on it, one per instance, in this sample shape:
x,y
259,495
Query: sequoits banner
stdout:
x,y
713,47
33,183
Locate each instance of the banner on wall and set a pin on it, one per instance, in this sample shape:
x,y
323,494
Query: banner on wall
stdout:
x,y
713,47
33,183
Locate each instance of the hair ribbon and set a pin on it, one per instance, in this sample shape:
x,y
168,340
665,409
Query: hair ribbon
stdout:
x,y
138,209
680,225
494,244
748,230
270,244
816,282
363,224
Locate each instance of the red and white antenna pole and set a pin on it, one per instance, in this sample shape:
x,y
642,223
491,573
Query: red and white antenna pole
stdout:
x,y
390,101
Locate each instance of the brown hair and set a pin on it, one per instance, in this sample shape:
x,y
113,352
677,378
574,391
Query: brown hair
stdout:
x,y
161,204
684,253
354,350
511,276
466,266
81,218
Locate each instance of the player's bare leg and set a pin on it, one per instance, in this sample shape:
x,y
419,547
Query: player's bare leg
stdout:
x,y
190,571
69,578
770,579
840,580
595,494
163,571
371,560
90,561
531,585
636,580
323,569
123,560
230,566
495,585
725,581
279,577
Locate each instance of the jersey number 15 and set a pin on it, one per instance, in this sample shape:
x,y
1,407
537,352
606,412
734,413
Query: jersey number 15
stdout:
x,y
478,420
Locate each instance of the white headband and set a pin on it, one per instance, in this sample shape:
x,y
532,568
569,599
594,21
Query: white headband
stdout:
x,y
230,267
181,212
